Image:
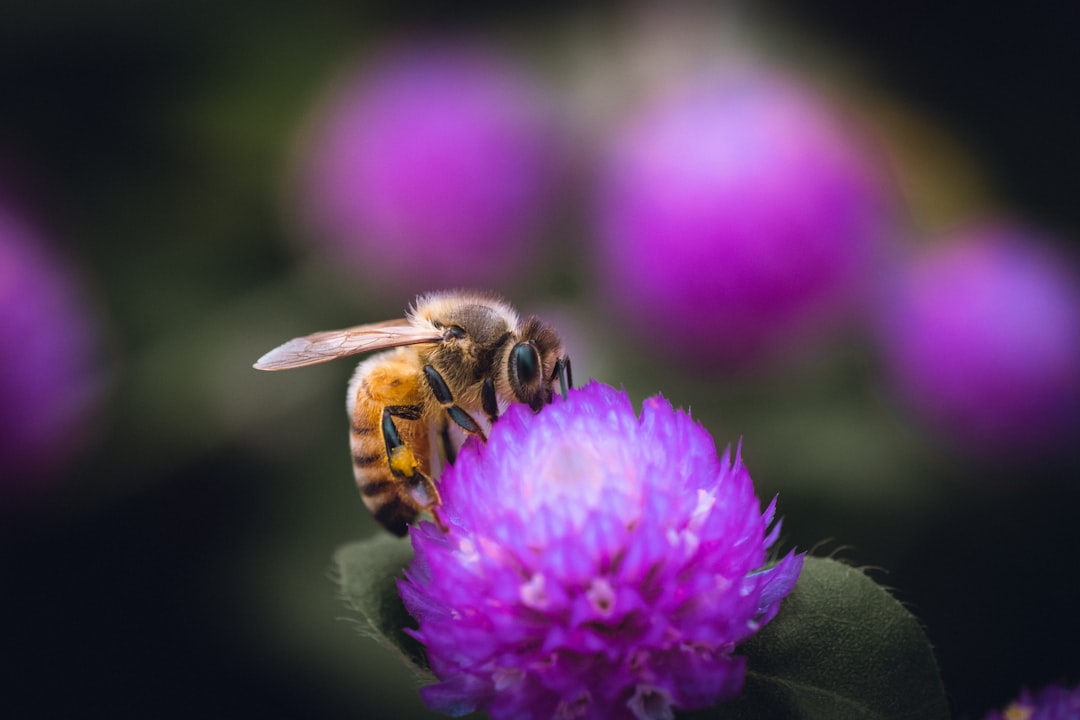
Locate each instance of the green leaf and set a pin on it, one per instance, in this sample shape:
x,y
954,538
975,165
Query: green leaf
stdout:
x,y
367,571
840,647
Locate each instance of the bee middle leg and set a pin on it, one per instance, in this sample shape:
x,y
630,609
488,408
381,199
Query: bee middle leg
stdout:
x,y
405,465
446,399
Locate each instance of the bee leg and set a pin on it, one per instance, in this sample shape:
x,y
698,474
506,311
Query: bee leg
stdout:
x,y
562,371
446,398
404,463
489,400
446,444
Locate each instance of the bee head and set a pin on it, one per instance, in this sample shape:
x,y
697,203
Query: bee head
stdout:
x,y
483,338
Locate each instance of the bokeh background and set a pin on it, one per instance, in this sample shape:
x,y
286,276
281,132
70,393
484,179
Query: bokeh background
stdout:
x,y
185,185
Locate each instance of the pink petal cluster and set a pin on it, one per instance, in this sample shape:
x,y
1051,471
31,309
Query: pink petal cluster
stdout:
x,y
598,564
1053,702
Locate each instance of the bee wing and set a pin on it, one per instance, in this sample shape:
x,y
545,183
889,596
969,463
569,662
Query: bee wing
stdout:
x,y
332,344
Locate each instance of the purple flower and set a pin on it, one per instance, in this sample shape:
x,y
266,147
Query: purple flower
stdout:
x,y
434,166
49,382
982,339
597,565
1053,702
738,218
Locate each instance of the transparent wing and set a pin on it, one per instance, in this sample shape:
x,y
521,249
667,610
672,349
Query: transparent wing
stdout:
x,y
332,344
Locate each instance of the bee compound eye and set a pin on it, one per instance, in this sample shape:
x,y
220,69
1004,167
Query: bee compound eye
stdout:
x,y
524,365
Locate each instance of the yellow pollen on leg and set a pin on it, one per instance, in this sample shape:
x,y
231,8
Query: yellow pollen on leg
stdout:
x,y
403,461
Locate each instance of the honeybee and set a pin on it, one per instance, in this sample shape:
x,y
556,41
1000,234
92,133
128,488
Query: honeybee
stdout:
x,y
455,357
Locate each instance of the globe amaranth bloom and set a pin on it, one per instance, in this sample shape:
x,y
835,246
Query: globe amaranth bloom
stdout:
x,y
981,339
51,379
739,219
597,565
1053,702
435,164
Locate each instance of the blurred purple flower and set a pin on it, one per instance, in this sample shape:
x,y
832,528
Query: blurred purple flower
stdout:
x,y
434,167
982,338
597,565
738,219
48,378
1053,702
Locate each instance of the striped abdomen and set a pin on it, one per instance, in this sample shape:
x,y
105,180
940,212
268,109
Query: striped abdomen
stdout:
x,y
392,379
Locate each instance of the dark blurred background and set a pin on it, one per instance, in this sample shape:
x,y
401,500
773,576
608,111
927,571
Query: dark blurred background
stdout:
x,y
178,564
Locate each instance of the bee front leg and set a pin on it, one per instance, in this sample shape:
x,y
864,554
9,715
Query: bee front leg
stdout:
x,y
405,465
446,443
489,400
562,372
445,398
